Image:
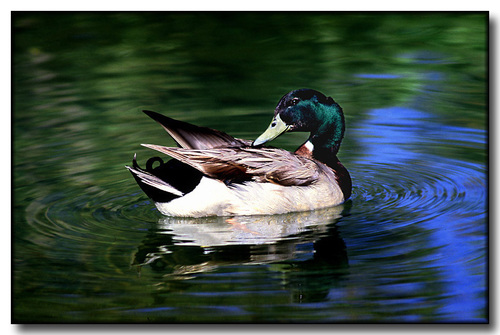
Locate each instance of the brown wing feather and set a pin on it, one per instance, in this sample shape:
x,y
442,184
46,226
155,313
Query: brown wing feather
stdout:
x,y
190,136
248,163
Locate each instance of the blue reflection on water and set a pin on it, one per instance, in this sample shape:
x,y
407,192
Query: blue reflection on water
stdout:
x,y
388,130
445,194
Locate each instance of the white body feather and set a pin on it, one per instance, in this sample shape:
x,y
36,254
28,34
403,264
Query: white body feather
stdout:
x,y
213,198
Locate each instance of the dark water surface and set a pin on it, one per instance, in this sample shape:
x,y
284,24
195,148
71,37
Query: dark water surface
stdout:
x,y
410,245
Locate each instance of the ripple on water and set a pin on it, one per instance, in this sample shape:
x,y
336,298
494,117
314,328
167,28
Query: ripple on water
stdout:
x,y
434,188
76,219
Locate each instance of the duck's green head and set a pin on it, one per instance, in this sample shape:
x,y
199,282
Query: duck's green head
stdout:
x,y
307,110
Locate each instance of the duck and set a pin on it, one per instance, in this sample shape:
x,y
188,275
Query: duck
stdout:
x,y
211,173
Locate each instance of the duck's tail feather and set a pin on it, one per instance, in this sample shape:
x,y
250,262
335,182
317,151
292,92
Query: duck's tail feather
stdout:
x,y
167,181
154,181
155,188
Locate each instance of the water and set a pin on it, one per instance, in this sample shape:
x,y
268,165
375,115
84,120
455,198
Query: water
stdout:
x,y
409,246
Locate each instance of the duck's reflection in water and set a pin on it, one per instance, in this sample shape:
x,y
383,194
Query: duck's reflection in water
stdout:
x,y
304,249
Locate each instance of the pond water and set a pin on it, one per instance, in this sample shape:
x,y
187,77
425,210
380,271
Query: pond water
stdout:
x,y
409,246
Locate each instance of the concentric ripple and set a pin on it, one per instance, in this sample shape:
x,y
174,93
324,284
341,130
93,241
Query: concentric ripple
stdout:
x,y
88,226
444,186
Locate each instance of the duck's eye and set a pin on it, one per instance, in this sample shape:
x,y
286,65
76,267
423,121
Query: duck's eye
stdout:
x,y
294,101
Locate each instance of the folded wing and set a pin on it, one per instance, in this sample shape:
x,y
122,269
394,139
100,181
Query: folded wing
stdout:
x,y
240,164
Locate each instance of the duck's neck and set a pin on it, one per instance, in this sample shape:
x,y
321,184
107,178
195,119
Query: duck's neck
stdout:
x,y
327,130
326,137
323,145
326,155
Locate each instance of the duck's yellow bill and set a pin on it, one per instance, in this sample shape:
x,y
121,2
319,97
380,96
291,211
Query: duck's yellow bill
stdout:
x,y
275,129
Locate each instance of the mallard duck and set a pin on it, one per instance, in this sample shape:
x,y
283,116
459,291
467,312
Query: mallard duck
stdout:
x,y
215,174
